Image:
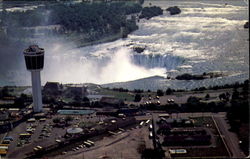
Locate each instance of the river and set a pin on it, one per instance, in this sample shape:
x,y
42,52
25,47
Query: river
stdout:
x,y
207,36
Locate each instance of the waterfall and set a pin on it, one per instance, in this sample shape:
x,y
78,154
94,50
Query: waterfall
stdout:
x,y
157,61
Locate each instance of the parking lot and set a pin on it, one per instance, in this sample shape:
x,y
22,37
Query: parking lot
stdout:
x,y
124,144
42,133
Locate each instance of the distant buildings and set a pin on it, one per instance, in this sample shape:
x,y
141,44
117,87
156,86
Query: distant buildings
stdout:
x,y
76,90
96,97
52,88
111,101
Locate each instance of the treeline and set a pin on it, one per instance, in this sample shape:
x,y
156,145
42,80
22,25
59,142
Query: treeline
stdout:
x,y
238,115
149,12
170,91
103,18
234,85
85,17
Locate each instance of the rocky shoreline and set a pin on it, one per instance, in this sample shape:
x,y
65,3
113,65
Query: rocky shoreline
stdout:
x,y
203,76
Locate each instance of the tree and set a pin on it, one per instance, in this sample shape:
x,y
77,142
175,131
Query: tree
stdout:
x,y
169,91
77,98
68,119
193,99
222,96
19,102
5,91
160,92
193,104
137,98
235,94
56,120
207,96
85,99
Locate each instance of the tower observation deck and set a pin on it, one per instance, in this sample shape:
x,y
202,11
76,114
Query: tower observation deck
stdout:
x,y
34,59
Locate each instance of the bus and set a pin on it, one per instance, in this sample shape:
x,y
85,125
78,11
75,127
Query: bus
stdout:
x,y
31,120
4,144
87,144
141,123
146,123
166,115
3,152
4,148
112,133
150,135
8,138
42,119
6,141
150,127
35,149
39,147
121,129
24,135
91,142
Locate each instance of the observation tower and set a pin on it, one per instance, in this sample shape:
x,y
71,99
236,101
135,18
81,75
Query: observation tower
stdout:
x,y
34,59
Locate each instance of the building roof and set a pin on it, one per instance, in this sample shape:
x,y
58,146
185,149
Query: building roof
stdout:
x,y
110,100
34,49
52,85
74,130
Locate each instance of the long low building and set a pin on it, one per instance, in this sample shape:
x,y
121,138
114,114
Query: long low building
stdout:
x,y
187,136
76,112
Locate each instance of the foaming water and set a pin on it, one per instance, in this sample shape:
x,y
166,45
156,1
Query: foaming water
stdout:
x,y
77,68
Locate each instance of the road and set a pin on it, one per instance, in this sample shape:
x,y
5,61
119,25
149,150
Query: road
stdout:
x,y
230,138
181,97
124,145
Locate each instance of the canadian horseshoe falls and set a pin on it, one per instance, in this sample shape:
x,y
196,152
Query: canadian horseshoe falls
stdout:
x,y
207,36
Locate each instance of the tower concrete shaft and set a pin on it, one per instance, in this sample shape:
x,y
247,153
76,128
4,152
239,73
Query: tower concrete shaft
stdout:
x,y
36,91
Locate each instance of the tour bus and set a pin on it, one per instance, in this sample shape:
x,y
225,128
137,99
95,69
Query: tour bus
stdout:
x,y
35,149
39,147
4,148
8,138
141,123
24,136
112,133
150,127
87,144
31,120
121,129
146,123
6,141
91,142
3,152
121,115
166,115
4,144
150,135
42,119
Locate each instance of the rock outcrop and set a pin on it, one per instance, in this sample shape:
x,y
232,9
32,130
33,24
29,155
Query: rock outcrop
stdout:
x,y
246,25
149,12
174,10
